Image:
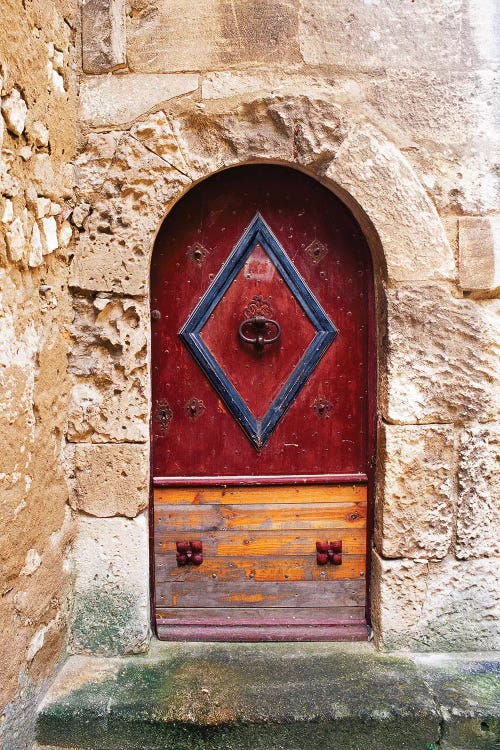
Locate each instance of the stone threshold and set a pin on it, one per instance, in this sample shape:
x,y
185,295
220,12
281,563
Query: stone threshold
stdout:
x,y
284,696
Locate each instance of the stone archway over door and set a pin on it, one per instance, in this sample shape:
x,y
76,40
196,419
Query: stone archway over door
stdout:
x,y
132,180
263,383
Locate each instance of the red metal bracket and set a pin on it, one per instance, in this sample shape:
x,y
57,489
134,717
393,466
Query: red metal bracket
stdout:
x,y
329,552
189,553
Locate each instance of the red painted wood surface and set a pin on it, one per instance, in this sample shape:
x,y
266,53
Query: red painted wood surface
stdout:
x,y
260,579
210,219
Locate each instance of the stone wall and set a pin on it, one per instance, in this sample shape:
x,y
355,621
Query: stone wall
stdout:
x,y
37,142
392,105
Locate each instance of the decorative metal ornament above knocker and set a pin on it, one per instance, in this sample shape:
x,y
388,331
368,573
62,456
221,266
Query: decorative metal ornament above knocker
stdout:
x,y
258,329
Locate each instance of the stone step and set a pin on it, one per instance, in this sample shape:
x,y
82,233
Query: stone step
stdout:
x,y
280,696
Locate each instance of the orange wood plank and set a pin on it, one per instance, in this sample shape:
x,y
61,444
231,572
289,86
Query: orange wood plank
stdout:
x,y
193,518
343,493
275,568
251,543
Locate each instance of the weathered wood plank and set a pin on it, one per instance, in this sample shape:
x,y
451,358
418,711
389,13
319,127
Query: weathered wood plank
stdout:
x,y
264,633
293,594
207,616
194,518
304,568
241,543
344,493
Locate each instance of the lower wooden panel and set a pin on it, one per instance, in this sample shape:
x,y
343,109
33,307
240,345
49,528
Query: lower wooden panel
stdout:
x,y
261,517
345,493
260,578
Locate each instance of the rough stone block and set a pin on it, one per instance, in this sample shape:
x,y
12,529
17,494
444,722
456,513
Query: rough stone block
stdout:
x,y
225,84
449,605
103,35
114,251
480,47
109,402
416,491
121,99
93,162
217,137
110,480
52,182
35,254
363,35
14,110
16,241
408,226
479,253
99,415
111,605
478,521
172,35
155,132
445,123
108,332
286,126
38,134
433,108
442,361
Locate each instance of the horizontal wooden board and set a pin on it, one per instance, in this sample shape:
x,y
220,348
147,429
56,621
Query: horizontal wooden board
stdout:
x,y
288,594
195,518
305,616
263,633
245,543
346,493
304,568
246,480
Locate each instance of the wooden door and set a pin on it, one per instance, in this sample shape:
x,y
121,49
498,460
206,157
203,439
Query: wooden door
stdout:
x,y
263,403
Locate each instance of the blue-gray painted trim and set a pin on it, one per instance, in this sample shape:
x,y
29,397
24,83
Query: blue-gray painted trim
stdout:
x,y
258,232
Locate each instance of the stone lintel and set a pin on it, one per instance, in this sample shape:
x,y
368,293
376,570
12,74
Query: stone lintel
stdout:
x,y
120,99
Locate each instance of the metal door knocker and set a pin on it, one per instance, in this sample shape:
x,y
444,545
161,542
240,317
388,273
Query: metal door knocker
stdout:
x,y
259,332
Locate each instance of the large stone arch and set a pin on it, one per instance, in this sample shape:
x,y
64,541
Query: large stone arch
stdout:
x,y
133,177
161,156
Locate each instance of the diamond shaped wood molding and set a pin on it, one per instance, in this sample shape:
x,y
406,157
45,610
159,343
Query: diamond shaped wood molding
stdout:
x,y
260,429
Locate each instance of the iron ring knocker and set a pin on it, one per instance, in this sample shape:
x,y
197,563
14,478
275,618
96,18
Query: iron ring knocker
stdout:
x,y
258,326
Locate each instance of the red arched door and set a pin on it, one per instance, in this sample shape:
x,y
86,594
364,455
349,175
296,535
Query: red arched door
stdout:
x,y
263,396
